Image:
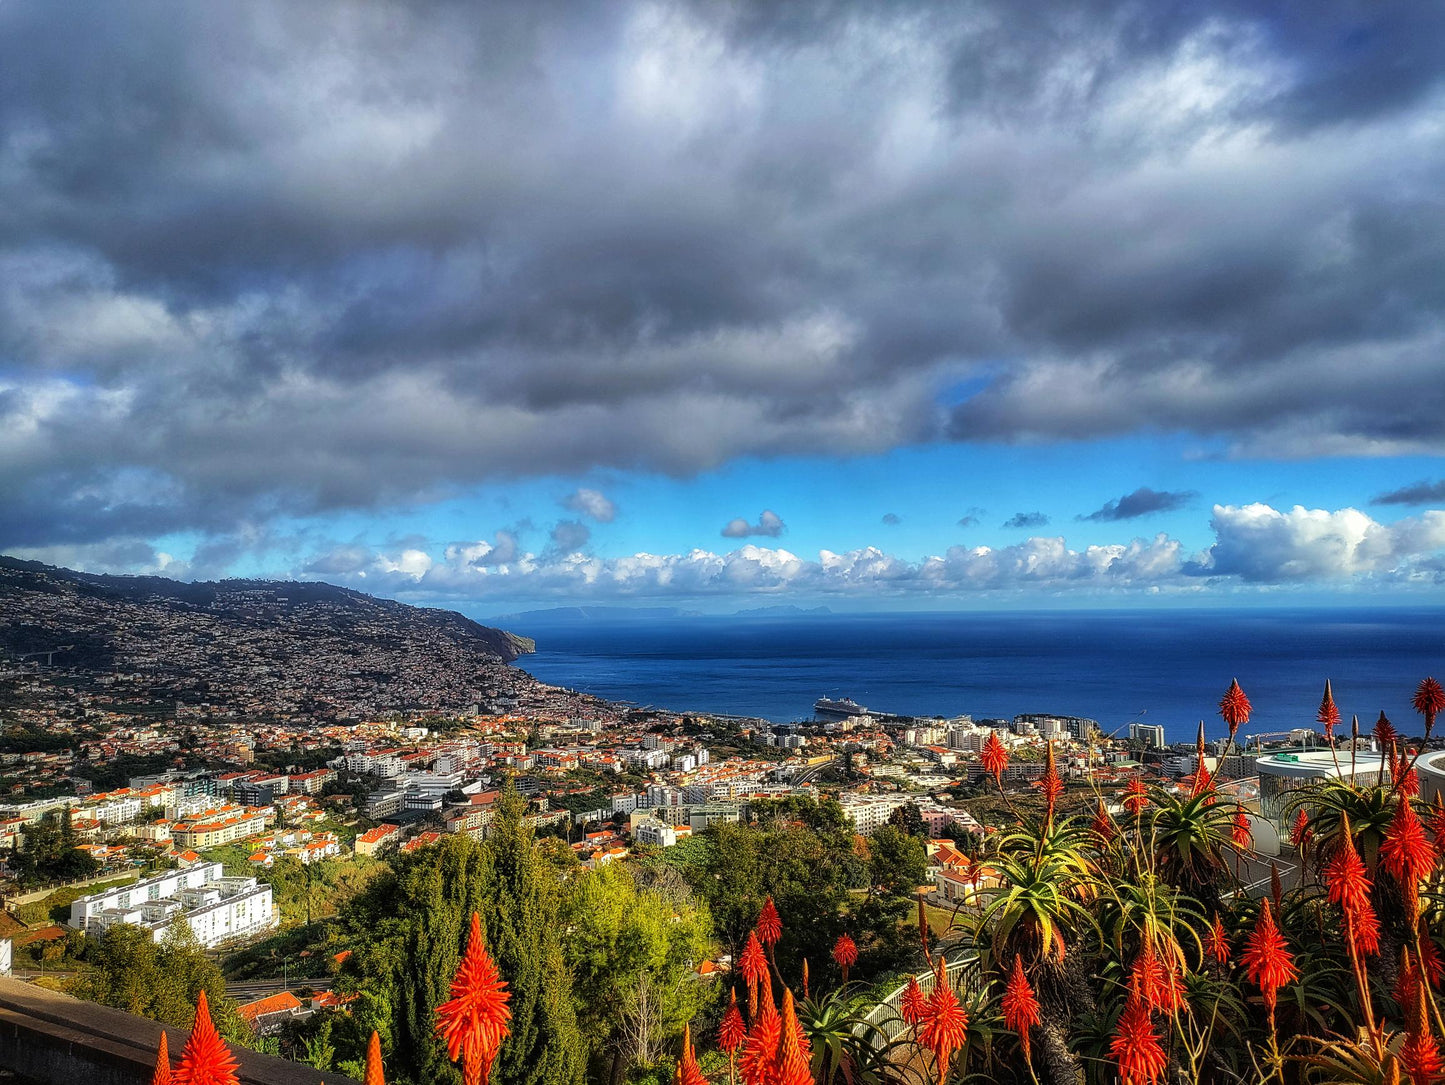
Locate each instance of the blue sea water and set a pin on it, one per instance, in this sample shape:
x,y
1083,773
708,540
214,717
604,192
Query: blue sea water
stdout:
x,y
1115,666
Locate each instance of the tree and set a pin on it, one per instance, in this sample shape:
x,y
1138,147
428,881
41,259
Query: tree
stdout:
x,y
633,951
161,982
909,819
897,861
409,926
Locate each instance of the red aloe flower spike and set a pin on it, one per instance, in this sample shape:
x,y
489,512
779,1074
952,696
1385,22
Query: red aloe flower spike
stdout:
x,y
1135,1046
1429,701
1216,943
1420,1054
1103,825
845,952
1348,885
770,925
1384,732
946,1026
1430,957
1234,706
1157,983
473,1023
756,1062
1052,786
688,1072
163,1062
1267,960
1239,832
373,1062
1020,1007
1136,796
913,1006
1407,852
732,1032
994,757
1299,834
1437,822
791,1064
1328,715
206,1060
754,967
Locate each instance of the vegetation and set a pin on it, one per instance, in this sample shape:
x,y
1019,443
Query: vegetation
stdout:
x,y
49,854
162,982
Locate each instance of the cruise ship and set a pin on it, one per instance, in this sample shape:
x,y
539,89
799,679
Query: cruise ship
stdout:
x,y
843,709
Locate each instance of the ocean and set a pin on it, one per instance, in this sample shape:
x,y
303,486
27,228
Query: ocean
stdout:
x,y
1168,667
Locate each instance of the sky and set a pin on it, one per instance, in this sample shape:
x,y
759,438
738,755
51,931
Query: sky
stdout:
x,y
729,303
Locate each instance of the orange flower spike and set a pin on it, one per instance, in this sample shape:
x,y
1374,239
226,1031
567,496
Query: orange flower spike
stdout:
x,y
1136,797
754,967
946,1026
473,1023
1239,832
163,1062
1329,715
1406,852
994,757
1420,1054
770,925
1347,885
1437,822
374,1074
1385,733
688,1071
756,1062
913,1006
1430,957
1135,1046
1429,701
732,1032
1103,825
790,1066
1020,1007
1216,943
1299,834
1234,706
1267,959
1051,785
845,952
206,1060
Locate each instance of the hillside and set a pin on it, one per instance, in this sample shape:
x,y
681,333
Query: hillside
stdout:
x,y
250,645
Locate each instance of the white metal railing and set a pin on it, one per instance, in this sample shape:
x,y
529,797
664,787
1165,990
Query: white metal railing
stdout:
x,y
965,975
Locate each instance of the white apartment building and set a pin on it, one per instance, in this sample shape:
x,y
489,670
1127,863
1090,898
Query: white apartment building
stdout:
x,y
215,907
655,833
868,813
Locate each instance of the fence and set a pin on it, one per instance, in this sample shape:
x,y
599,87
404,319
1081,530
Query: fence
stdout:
x,y
965,975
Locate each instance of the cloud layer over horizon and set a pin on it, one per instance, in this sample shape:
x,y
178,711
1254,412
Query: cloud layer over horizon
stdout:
x,y
1254,545
278,260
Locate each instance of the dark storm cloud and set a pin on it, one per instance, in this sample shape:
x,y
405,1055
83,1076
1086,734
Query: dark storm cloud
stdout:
x,y
1141,502
1418,493
1027,520
272,259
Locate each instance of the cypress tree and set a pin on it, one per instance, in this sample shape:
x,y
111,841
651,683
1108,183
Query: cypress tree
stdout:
x,y
409,931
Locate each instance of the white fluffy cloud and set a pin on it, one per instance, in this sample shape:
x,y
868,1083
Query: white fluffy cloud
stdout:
x,y
1254,545
1259,544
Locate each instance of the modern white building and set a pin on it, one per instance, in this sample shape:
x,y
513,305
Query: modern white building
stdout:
x,y
654,832
868,813
215,907
1287,770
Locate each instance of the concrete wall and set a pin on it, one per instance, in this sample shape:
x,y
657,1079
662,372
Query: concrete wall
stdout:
x,y
53,1038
